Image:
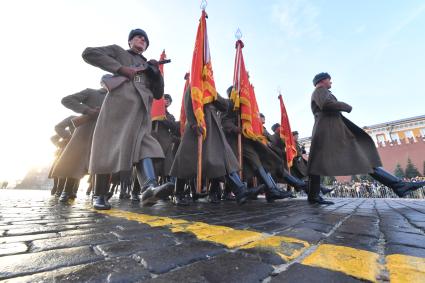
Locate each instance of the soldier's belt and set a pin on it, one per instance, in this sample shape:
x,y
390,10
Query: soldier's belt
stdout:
x,y
137,79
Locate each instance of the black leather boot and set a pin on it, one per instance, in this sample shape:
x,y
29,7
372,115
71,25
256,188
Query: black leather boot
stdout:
x,y
399,187
227,193
61,185
151,192
293,181
68,191
314,190
75,189
271,189
55,186
180,198
101,185
214,192
325,190
239,189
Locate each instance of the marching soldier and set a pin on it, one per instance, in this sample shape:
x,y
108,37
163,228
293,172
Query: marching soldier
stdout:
x,y
122,136
340,148
258,158
265,132
167,133
73,162
218,159
64,131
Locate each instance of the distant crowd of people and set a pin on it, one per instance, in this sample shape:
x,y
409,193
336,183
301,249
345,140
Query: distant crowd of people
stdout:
x,y
371,189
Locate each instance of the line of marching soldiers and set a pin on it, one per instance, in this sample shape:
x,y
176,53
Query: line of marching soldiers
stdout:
x,y
151,161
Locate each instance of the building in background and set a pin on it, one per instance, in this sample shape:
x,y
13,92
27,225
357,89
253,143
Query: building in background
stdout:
x,y
397,141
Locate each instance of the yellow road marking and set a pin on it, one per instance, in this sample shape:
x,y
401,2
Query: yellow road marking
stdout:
x,y
354,262
357,263
405,268
287,248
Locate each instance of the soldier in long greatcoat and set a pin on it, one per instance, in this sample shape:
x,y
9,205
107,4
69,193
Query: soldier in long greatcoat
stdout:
x,y
74,161
218,159
122,136
64,131
258,157
339,147
167,133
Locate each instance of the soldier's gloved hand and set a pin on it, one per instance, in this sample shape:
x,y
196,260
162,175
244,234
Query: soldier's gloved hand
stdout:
x,y
153,62
129,72
198,130
93,113
153,66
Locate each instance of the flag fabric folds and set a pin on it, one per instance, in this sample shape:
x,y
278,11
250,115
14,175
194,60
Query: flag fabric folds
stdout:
x,y
202,85
182,109
286,134
158,106
244,100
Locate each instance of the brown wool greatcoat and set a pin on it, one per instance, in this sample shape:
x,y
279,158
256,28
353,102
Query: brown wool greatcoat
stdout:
x,y
299,164
338,146
255,154
122,134
74,160
166,132
64,131
217,157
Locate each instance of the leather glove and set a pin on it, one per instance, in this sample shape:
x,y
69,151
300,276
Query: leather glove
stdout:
x,y
129,72
198,130
153,67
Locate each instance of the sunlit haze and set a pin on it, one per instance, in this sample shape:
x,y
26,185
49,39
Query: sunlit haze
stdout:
x,y
374,51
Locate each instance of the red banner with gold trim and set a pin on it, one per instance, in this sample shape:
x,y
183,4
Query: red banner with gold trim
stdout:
x,y
202,83
243,97
158,105
286,134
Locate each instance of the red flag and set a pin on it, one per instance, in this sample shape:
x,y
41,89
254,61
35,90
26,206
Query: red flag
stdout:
x,y
286,134
182,110
243,97
202,83
158,106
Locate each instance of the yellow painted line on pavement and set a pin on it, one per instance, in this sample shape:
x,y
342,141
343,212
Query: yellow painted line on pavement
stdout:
x,y
353,262
357,263
404,268
286,247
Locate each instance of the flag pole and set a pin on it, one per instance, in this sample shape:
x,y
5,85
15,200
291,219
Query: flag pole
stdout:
x,y
200,140
238,36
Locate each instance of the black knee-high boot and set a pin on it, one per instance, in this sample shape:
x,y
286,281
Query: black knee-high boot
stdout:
x,y
215,191
180,198
239,189
68,191
61,185
399,187
55,186
271,190
314,190
101,185
151,192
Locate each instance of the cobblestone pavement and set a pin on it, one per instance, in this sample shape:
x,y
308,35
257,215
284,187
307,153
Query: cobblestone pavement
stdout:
x,y
355,240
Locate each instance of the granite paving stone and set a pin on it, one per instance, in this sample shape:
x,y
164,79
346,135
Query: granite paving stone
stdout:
x,y
14,265
228,267
117,270
72,241
12,248
306,274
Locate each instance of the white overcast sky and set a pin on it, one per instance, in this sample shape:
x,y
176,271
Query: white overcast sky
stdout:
x,y
374,51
